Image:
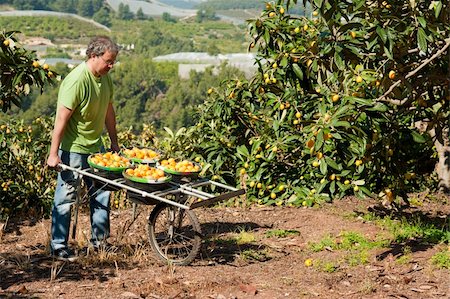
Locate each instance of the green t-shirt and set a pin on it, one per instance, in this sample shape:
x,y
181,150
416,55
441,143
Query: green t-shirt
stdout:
x,y
88,97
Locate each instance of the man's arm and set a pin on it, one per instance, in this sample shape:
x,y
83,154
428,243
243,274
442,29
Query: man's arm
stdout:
x,y
62,118
110,123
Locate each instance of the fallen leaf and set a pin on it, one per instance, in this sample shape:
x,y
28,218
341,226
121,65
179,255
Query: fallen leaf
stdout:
x,y
23,290
248,288
407,279
426,287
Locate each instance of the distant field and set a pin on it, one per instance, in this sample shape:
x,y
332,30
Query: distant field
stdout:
x,y
51,27
4,7
225,37
214,36
240,14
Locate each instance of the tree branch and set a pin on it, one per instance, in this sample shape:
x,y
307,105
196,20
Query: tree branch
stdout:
x,y
410,74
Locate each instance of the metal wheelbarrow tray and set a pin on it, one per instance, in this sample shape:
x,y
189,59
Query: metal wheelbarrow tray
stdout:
x,y
174,231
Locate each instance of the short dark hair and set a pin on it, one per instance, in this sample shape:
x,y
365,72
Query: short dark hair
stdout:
x,y
99,45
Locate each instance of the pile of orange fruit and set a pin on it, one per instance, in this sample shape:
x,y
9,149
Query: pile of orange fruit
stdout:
x,y
180,166
141,153
110,159
146,171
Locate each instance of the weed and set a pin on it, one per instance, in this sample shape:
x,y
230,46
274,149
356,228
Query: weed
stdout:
x,y
368,287
441,259
329,267
55,270
251,254
405,257
23,262
282,233
326,242
356,258
347,241
357,245
245,238
3,228
140,253
352,240
411,228
417,229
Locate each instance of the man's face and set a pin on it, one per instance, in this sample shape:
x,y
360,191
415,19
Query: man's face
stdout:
x,y
103,63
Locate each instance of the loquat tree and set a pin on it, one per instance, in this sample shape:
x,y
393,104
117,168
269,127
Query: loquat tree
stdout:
x,y
20,70
353,99
25,185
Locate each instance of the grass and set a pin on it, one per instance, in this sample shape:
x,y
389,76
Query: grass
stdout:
x,y
245,237
328,266
324,243
257,255
442,259
405,257
282,233
415,227
355,244
347,241
357,258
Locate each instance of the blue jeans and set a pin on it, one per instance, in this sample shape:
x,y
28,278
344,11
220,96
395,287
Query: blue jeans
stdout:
x,y
65,195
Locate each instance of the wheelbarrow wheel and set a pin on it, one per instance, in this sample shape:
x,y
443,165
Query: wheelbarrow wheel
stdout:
x,y
174,234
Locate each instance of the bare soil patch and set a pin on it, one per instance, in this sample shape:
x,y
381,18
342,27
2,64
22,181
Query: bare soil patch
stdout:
x,y
268,265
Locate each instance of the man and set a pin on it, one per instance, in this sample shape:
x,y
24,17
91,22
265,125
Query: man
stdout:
x,y
84,109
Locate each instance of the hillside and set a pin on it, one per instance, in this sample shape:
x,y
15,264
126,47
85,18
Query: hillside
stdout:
x,y
39,13
179,9
153,8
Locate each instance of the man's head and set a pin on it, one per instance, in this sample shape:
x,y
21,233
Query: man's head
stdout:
x,y
101,54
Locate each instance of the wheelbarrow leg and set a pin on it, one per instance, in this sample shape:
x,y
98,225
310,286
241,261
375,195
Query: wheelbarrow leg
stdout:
x,y
77,206
134,211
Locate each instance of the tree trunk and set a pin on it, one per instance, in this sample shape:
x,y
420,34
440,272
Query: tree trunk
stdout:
x,y
443,165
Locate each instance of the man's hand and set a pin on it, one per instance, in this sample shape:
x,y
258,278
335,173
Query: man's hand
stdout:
x,y
53,161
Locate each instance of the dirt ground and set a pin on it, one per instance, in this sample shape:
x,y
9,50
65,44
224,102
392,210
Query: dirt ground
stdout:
x,y
267,266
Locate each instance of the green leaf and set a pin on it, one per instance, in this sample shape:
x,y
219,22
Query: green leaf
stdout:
x,y
417,137
342,123
169,131
333,186
365,191
332,163
422,22
388,53
361,101
437,8
323,168
382,34
319,141
283,62
242,150
298,71
338,61
380,107
267,36
422,40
